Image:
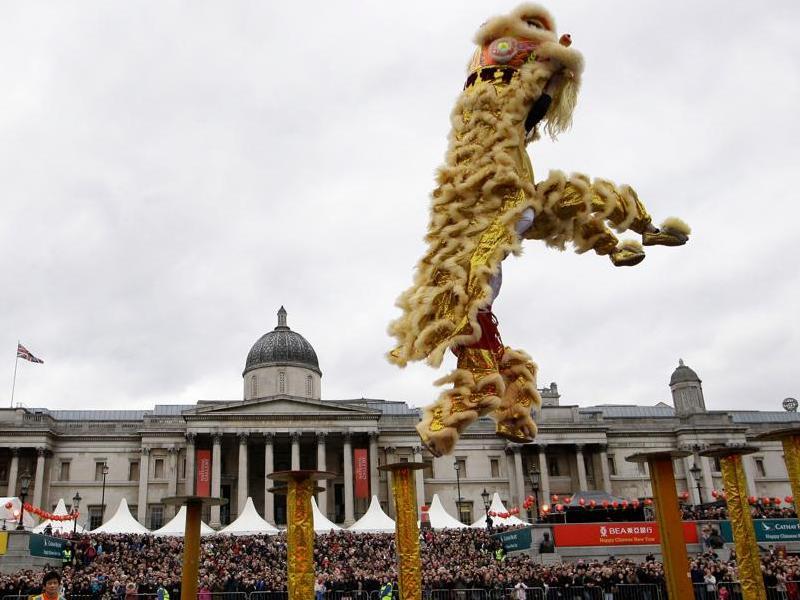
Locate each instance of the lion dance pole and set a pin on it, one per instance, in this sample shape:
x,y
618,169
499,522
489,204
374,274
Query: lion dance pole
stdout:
x,y
748,558
673,546
300,486
790,438
409,573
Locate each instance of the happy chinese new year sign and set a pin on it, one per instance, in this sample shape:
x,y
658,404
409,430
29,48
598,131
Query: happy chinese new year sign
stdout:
x,y
615,534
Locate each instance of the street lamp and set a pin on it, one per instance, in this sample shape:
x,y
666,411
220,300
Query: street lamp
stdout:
x,y
25,482
103,497
76,503
485,498
457,467
535,478
695,471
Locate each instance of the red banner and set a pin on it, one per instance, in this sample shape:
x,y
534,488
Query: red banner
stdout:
x,y
615,534
203,473
361,472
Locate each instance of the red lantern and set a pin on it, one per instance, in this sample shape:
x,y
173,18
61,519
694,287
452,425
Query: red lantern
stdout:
x,y
615,504
648,501
685,495
560,507
554,498
752,500
582,502
545,509
635,503
567,499
605,503
624,504
789,499
765,500
714,493
424,508
592,503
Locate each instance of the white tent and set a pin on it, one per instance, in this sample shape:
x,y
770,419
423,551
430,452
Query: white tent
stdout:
x,y
498,507
122,522
321,522
249,523
177,526
440,518
59,526
374,520
8,514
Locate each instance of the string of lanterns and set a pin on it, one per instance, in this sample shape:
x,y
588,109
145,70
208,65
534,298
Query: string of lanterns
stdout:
x,y
43,514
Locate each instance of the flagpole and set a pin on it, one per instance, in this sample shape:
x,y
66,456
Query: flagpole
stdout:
x,y
14,381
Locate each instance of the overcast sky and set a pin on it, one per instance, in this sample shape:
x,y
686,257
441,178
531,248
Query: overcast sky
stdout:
x,y
172,173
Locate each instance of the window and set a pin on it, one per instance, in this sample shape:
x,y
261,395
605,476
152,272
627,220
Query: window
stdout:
x,y
309,387
612,465
95,516
183,468
158,469
461,465
156,515
465,511
760,468
642,468
427,471
63,474
133,470
98,472
494,466
4,472
254,386
552,467
282,382
717,465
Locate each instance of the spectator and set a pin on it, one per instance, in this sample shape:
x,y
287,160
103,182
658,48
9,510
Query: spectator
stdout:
x,y
546,546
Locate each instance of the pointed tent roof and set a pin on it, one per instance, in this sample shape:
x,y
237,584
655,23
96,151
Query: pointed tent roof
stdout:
x,y
249,523
440,518
497,506
59,526
122,522
374,520
177,526
321,522
7,514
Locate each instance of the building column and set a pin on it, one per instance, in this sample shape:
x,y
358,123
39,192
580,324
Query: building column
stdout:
x,y
691,483
519,476
216,476
544,475
188,483
708,480
295,437
269,467
390,450
13,470
242,488
581,467
604,472
349,517
322,465
172,479
374,476
419,476
144,478
38,489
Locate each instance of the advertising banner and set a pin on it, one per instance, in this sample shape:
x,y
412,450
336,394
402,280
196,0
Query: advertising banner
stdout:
x,y
361,472
767,530
203,461
46,546
515,539
615,534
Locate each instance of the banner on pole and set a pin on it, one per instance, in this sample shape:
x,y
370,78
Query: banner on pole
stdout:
x,y
767,530
616,534
361,472
203,473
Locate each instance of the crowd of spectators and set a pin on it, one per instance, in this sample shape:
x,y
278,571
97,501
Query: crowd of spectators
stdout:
x,y
117,567
719,512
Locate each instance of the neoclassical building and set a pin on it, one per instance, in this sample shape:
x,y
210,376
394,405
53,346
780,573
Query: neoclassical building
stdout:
x,y
282,422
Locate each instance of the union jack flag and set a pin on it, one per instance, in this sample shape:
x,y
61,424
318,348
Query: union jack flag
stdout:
x,y
23,352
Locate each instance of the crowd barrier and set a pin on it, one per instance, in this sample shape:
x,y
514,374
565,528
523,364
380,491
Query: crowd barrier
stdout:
x,y
702,591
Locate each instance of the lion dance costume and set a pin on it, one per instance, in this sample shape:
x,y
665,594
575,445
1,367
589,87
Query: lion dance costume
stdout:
x,y
521,79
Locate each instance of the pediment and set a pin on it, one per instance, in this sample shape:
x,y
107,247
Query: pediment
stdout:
x,y
280,406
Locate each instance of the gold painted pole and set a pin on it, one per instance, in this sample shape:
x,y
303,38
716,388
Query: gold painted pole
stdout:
x,y
191,539
191,551
748,559
668,515
301,485
406,535
790,439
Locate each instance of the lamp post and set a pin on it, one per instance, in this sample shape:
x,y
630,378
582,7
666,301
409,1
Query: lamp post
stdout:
x,y
696,471
458,484
535,479
76,503
25,482
485,498
103,497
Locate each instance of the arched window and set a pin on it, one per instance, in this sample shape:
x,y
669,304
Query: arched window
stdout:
x,y
254,386
309,387
282,382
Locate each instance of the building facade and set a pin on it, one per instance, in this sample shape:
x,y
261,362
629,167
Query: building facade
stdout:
x,y
282,423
